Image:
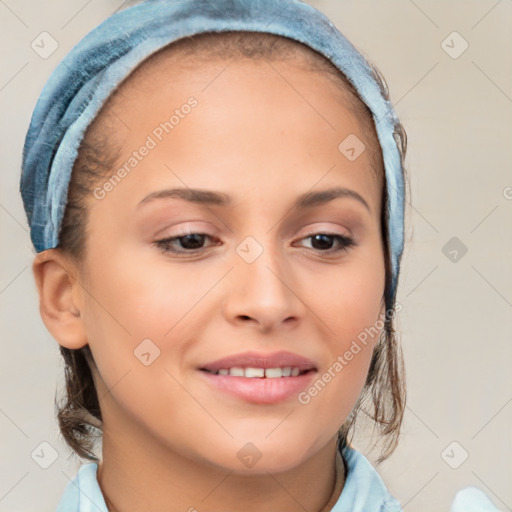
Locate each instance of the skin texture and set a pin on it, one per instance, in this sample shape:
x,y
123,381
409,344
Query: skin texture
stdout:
x,y
264,134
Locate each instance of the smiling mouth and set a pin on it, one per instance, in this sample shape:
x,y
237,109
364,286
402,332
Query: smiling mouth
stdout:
x,y
259,373
261,383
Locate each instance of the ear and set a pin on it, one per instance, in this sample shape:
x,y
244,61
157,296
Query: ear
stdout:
x,y
60,297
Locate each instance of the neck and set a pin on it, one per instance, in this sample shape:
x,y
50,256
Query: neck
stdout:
x,y
138,473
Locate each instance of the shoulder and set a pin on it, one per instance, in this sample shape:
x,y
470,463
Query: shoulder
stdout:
x,y
472,499
83,493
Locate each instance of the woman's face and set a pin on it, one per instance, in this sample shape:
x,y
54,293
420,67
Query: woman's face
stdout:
x,y
262,275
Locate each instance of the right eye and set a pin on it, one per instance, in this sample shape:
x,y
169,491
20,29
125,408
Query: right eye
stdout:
x,y
191,243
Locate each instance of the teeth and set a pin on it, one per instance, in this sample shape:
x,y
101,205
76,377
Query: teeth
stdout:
x,y
236,372
287,371
269,373
254,372
273,373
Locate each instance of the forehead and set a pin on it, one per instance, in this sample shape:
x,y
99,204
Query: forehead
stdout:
x,y
243,104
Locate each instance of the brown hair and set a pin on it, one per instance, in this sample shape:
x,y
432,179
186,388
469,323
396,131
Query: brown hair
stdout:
x,y
79,414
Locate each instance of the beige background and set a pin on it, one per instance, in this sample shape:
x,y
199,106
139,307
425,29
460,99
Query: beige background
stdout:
x,y
457,316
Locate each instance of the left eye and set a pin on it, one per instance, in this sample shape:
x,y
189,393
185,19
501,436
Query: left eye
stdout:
x,y
194,242
323,243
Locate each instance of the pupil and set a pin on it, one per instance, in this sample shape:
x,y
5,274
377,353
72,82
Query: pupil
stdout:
x,y
196,240
323,244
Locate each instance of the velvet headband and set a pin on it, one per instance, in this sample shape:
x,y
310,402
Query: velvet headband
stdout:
x,y
89,73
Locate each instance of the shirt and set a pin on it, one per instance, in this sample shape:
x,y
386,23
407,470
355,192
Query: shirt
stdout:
x,y
363,491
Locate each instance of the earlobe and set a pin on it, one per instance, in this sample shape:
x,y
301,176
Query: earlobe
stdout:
x,y
60,297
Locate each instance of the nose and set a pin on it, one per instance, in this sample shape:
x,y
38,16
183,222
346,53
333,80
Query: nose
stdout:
x,y
264,292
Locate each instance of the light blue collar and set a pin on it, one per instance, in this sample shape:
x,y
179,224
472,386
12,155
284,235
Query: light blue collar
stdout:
x,y
364,491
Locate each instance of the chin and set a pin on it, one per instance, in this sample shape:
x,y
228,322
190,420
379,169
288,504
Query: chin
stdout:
x,y
262,457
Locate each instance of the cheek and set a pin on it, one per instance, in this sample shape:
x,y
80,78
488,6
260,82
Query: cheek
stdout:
x,y
130,302
139,297
357,324
350,297
349,302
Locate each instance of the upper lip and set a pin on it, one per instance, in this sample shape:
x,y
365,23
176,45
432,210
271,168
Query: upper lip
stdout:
x,y
280,359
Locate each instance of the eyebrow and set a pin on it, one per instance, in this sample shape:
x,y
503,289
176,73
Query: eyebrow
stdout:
x,y
307,200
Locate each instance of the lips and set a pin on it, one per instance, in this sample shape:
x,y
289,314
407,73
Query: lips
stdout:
x,y
259,378
287,361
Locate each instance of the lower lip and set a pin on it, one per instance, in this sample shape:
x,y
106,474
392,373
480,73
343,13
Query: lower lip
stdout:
x,y
260,390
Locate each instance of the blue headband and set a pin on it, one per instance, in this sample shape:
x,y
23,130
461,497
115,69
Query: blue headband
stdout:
x,y
91,71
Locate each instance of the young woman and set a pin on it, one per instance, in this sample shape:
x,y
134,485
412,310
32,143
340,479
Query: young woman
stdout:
x,y
216,196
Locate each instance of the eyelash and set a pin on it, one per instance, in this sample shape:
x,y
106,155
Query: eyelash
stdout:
x,y
165,244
